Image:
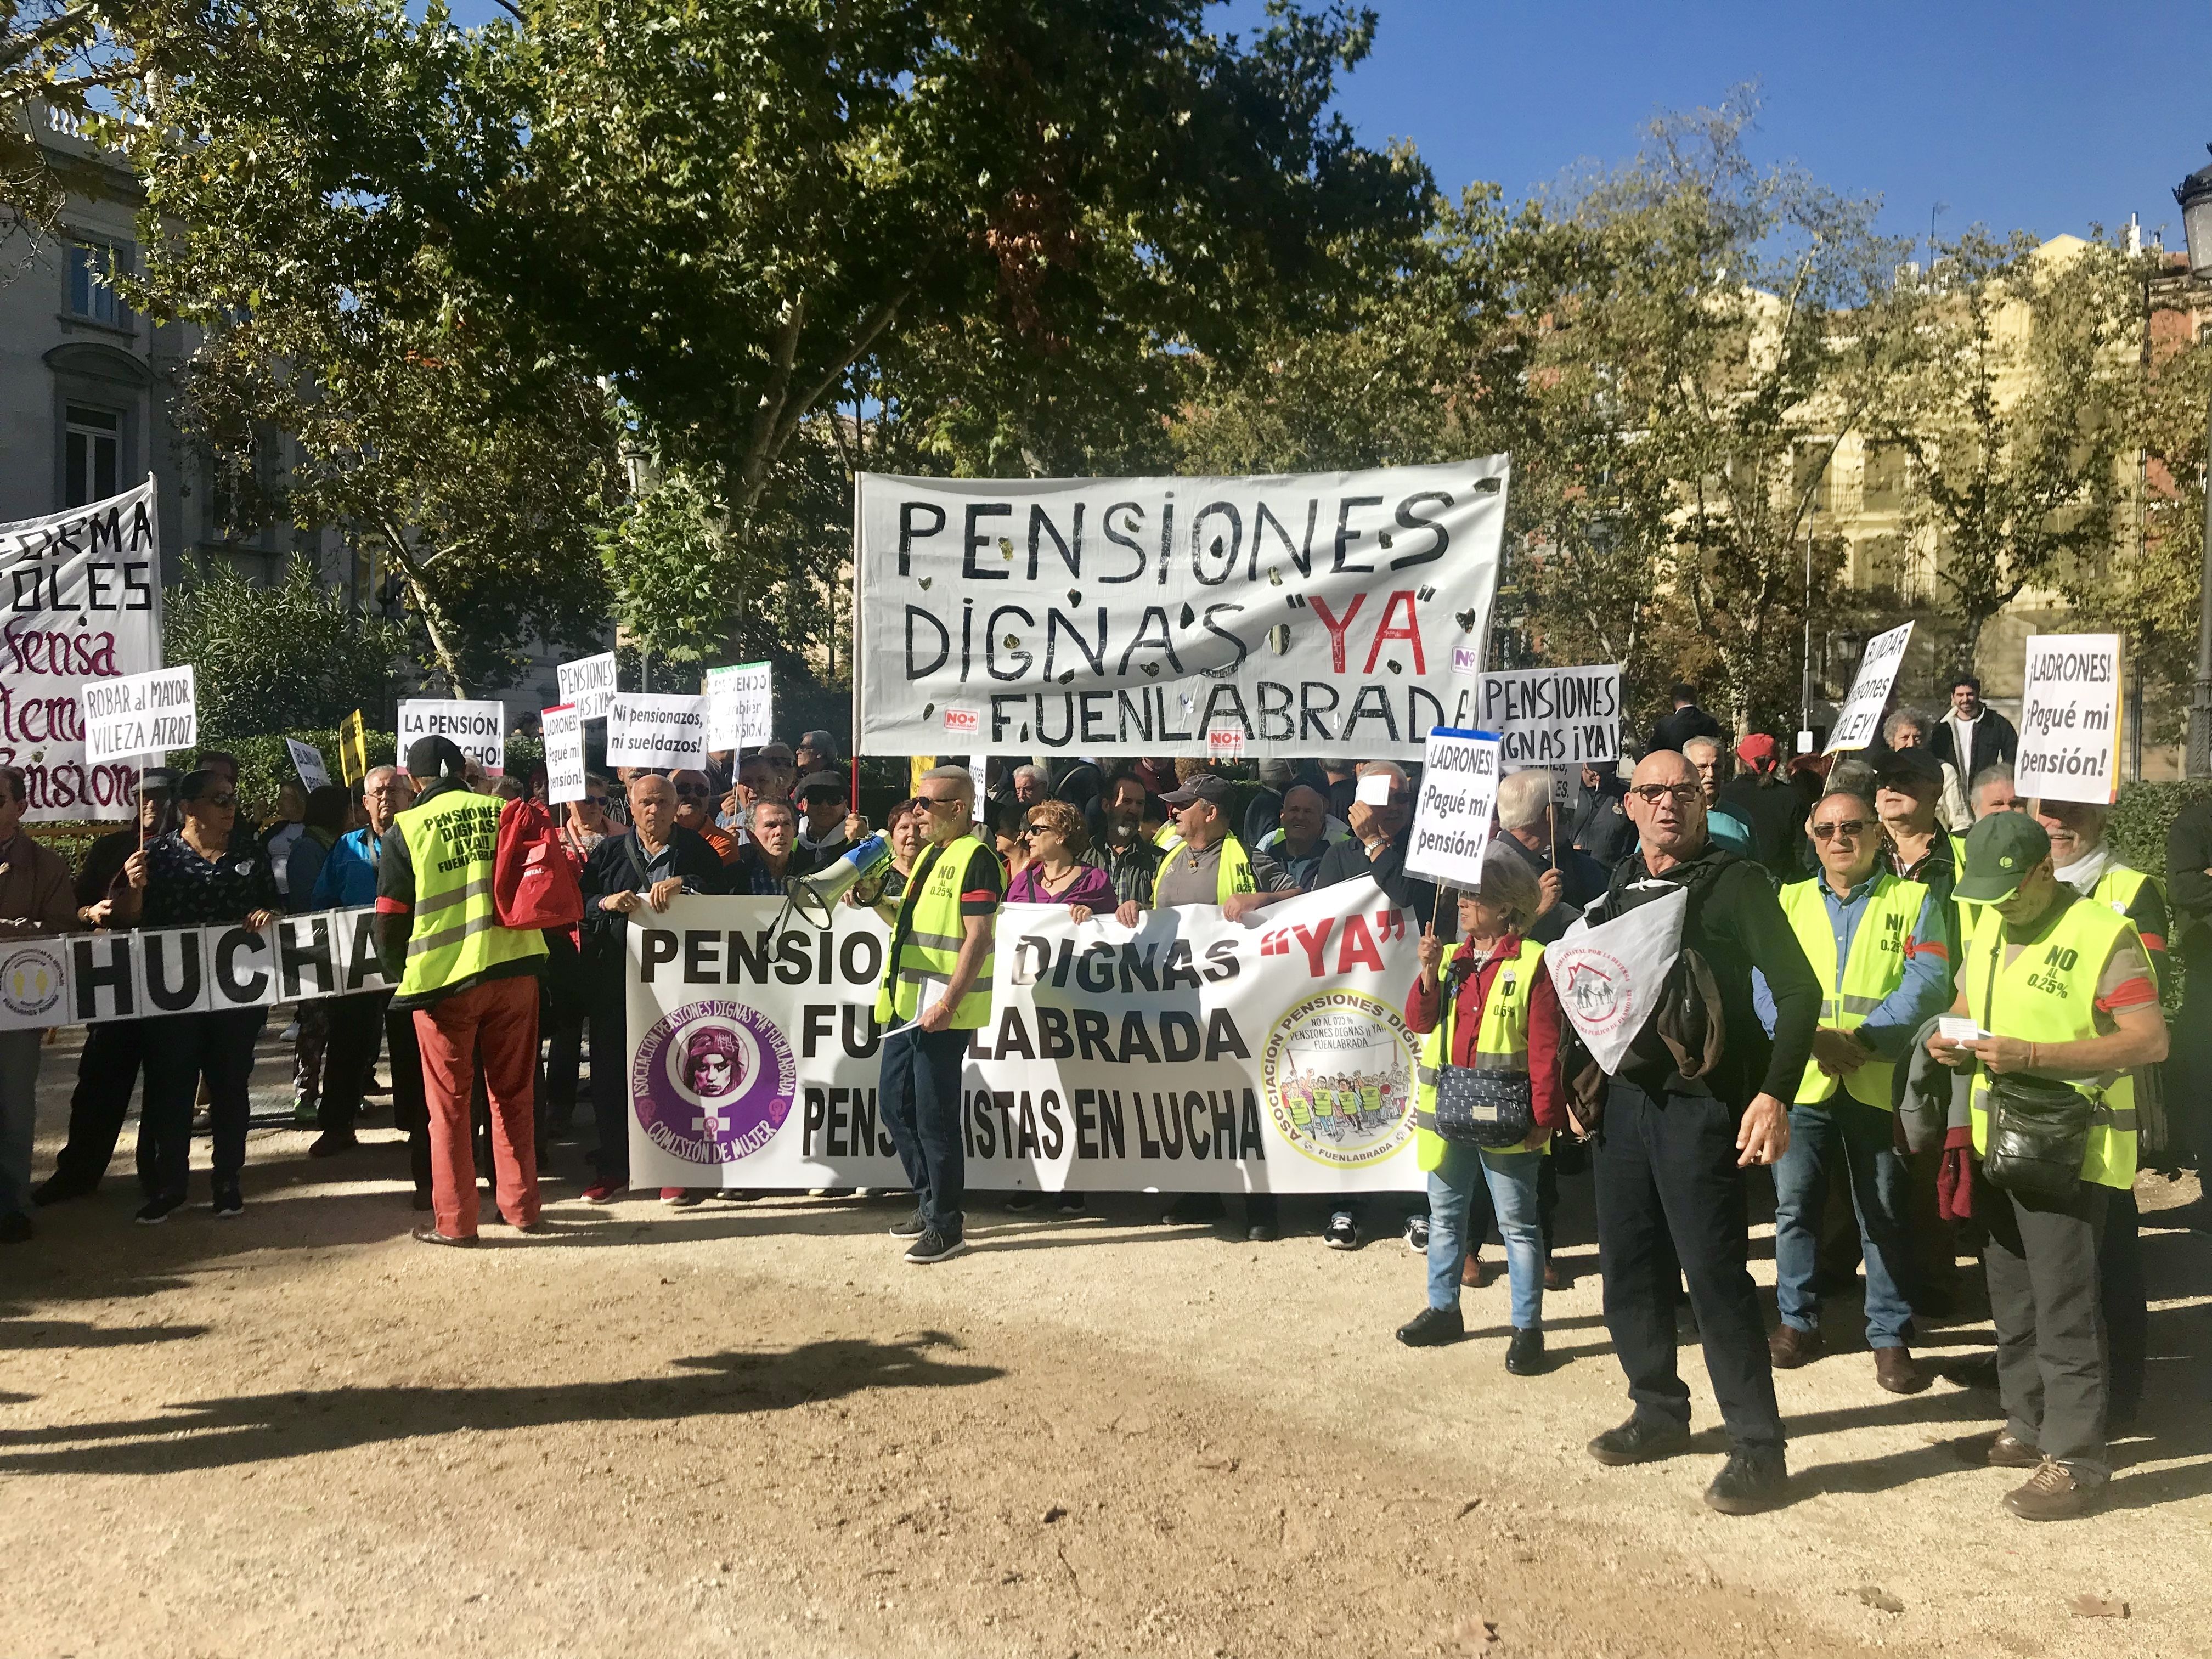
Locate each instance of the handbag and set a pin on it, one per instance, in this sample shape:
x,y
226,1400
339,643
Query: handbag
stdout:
x,y
2038,1134
1484,1108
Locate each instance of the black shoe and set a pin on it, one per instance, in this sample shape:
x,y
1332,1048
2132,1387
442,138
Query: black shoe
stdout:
x,y
1342,1232
1193,1208
1072,1204
1416,1234
1432,1327
1642,1440
913,1227
1524,1355
55,1190
15,1228
933,1246
155,1210
230,1203
1751,1480
1020,1202
331,1143
422,1198
1261,1232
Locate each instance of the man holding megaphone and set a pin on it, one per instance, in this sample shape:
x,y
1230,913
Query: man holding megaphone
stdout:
x,y
936,991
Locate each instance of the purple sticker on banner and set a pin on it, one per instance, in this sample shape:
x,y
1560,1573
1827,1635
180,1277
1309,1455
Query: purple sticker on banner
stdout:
x,y
713,1082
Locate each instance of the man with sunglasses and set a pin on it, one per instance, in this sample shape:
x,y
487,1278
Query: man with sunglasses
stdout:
x,y
936,991
1670,1151
1876,941
695,810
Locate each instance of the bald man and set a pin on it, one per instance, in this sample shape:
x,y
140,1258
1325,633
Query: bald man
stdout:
x,y
1671,1149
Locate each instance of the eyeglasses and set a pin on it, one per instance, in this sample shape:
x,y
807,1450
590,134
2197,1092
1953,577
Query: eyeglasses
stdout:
x,y
1845,829
936,802
599,801
219,799
1029,829
1682,793
694,793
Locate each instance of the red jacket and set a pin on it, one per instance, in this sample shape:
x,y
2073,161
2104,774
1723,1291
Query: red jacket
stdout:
x,y
1424,1007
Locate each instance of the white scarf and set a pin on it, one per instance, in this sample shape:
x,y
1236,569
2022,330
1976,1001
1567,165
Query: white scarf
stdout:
x,y
2085,872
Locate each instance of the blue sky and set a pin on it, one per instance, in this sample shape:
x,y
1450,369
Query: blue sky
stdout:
x,y
2031,115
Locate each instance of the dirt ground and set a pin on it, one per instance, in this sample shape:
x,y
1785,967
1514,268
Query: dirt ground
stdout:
x,y
751,1429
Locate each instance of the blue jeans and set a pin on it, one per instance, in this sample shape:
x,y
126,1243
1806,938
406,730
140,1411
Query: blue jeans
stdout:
x,y
920,1098
1860,1137
1509,1180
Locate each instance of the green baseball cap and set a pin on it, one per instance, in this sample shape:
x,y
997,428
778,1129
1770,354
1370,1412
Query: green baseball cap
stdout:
x,y
2000,849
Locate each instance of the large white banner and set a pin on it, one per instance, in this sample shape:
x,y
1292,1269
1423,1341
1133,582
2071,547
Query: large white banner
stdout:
x,y
84,592
81,979
1187,1054
1321,614
1861,719
2069,718
1553,716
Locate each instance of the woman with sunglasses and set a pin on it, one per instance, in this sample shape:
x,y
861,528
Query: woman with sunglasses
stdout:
x,y
191,876
1057,872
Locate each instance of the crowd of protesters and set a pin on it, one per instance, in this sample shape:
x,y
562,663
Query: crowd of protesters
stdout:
x,y
1838,909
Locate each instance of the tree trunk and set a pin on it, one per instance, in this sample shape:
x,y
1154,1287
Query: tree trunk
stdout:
x,y
433,619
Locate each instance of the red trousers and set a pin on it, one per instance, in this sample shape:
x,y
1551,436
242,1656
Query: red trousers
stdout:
x,y
499,1019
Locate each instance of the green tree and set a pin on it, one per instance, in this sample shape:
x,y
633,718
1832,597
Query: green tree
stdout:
x,y
2019,412
291,658
55,53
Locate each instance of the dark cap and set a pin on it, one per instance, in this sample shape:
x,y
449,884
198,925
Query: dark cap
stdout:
x,y
159,780
435,757
1909,769
1201,786
2000,849
822,783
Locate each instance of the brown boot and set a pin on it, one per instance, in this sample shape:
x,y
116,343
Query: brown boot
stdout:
x,y
1471,1273
1556,1277
1789,1347
2005,1452
2053,1494
1894,1371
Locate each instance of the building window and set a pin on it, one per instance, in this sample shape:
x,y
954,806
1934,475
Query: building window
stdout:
x,y
91,454
92,292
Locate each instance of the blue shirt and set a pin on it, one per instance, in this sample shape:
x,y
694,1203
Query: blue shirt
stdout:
x,y
1925,991
347,878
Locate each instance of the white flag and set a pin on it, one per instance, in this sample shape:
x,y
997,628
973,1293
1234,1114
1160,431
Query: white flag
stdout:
x,y
1609,976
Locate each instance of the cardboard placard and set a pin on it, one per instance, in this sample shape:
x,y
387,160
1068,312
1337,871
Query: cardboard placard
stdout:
x,y
656,729
1861,720
1460,775
564,753
587,685
139,716
478,728
740,706
2069,718
307,761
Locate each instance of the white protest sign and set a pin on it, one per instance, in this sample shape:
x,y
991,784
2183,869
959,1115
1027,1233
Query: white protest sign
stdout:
x,y
139,715
740,706
1451,815
1553,716
307,761
82,590
1104,617
657,729
1609,976
588,684
564,753
2069,718
1189,1053
1861,719
979,772
478,728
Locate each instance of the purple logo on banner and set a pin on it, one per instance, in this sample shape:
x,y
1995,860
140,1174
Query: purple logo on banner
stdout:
x,y
713,1082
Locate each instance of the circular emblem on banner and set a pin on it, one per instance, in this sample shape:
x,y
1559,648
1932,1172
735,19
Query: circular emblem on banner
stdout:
x,y
31,981
1598,987
713,1082
1337,1074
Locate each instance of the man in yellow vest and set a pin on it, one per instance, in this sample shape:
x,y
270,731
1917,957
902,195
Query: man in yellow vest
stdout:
x,y
2084,860
1877,946
2059,989
1207,865
936,991
470,984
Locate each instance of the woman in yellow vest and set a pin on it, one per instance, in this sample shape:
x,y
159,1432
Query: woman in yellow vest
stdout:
x,y
1876,943
2059,989
1490,1007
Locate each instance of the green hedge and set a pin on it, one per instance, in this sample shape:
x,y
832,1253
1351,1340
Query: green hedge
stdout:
x,y
2143,814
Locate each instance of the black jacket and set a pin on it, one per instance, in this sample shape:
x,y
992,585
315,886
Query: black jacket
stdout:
x,y
1347,860
1600,826
612,867
1736,923
1688,721
1777,813
1996,743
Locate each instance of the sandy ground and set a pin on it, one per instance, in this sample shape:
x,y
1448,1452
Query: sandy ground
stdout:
x,y
751,1429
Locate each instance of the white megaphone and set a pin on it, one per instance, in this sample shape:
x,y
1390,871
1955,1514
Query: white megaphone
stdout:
x,y
812,896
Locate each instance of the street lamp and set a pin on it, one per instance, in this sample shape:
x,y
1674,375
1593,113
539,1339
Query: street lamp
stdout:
x,y
2195,195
